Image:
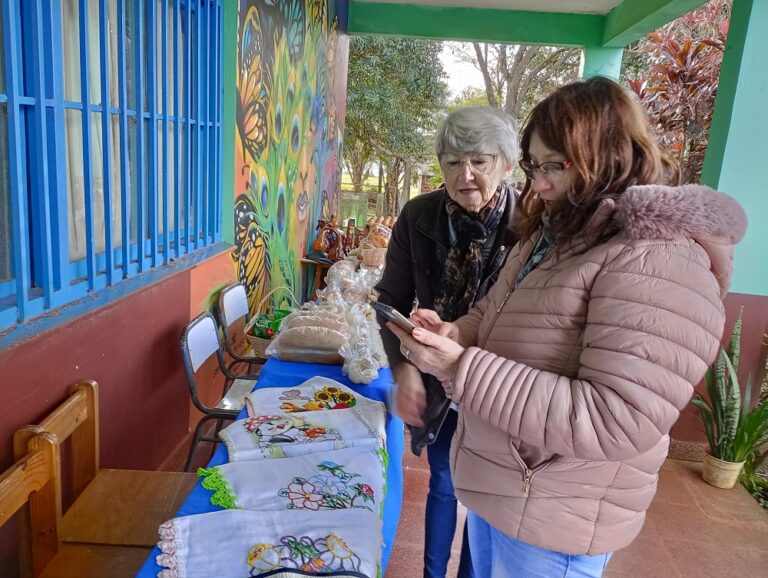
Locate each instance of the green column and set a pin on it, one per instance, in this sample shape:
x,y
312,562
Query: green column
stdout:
x,y
228,123
599,61
738,140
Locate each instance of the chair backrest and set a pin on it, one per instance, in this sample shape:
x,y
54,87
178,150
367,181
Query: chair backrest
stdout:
x,y
78,418
234,314
31,480
199,342
233,304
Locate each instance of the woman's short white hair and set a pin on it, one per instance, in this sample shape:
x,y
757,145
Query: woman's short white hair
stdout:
x,y
479,129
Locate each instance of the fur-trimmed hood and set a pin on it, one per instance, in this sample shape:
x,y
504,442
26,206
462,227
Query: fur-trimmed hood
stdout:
x,y
660,212
713,219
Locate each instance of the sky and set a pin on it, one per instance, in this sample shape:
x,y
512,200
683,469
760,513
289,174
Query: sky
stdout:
x,y
460,75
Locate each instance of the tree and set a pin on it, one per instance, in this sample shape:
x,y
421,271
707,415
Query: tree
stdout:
x,y
358,157
396,96
470,96
516,77
675,73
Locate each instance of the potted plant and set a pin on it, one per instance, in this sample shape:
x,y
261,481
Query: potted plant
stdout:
x,y
734,432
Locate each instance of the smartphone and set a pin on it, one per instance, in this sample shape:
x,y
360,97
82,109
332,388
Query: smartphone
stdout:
x,y
391,314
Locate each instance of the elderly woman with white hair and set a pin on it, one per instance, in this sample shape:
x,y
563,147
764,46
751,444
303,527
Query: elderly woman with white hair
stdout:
x,y
447,249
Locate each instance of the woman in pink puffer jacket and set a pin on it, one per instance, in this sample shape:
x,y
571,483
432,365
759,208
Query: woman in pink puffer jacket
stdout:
x,y
570,373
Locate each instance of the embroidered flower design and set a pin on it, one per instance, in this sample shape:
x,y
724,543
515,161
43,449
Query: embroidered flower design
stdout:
x,y
330,397
304,495
329,490
314,432
263,557
329,484
338,547
318,555
314,565
292,394
251,424
364,490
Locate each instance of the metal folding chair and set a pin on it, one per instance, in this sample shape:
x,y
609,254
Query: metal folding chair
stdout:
x,y
234,315
199,343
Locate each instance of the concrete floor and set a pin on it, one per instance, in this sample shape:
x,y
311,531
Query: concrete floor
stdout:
x,y
692,530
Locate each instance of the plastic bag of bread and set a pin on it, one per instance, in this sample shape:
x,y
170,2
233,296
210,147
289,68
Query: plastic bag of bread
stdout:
x,y
378,237
315,318
346,284
308,344
374,257
364,352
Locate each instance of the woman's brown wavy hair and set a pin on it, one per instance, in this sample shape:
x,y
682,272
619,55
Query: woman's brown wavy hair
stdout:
x,y
597,126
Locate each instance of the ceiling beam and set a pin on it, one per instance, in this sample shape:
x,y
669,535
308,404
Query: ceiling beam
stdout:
x,y
475,24
633,19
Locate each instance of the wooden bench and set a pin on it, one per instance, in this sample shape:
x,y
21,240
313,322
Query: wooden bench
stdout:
x,y
111,508
29,485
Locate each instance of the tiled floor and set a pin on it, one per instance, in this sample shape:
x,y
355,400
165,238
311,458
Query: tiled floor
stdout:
x,y
408,551
692,531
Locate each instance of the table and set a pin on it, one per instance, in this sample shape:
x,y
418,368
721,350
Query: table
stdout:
x,y
287,374
318,279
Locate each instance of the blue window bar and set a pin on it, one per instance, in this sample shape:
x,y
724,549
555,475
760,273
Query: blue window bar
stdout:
x,y
110,143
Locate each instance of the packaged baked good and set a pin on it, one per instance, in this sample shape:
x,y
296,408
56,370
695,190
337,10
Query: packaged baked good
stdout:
x,y
308,344
378,237
315,318
375,257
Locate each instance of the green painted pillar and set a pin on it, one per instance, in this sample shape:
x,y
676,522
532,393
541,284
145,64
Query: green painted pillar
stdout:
x,y
735,162
228,122
599,61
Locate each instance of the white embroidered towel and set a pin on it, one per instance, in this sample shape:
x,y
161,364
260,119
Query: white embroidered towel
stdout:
x,y
282,436
316,394
351,478
240,543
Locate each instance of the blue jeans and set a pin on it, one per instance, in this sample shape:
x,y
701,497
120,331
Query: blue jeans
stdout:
x,y
441,509
496,555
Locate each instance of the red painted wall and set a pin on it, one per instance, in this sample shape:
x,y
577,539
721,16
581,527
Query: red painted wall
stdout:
x,y
131,348
688,427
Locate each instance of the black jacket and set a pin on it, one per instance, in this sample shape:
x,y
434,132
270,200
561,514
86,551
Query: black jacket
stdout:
x,y
416,256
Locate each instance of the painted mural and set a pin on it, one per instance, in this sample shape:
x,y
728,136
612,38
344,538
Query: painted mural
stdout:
x,y
291,98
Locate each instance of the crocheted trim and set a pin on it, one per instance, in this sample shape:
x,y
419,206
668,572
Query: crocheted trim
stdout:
x,y
384,460
214,480
167,546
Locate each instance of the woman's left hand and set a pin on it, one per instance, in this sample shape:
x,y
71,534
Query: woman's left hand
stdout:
x,y
430,352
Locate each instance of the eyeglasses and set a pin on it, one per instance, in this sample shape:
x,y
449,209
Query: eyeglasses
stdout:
x,y
480,163
550,170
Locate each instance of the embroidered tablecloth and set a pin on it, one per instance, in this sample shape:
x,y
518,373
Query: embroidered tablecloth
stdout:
x,y
234,543
289,374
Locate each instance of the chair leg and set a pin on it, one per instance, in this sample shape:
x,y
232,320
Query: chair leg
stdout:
x,y
195,441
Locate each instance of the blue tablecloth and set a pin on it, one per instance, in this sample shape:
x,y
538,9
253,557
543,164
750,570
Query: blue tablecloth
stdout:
x,y
287,374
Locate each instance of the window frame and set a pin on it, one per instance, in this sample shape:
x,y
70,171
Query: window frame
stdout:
x,y
43,277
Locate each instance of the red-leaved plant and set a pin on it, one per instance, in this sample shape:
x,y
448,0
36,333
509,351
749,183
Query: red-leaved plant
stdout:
x,y
680,81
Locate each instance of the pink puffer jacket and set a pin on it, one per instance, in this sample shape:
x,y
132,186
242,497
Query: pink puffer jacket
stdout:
x,y
575,378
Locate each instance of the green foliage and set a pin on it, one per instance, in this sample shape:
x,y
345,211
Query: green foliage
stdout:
x,y
266,325
674,72
470,96
734,432
396,96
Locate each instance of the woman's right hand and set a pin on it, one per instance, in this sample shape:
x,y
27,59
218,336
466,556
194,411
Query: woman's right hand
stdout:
x,y
431,321
410,395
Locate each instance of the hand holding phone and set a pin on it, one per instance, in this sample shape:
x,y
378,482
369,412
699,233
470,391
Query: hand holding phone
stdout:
x,y
392,314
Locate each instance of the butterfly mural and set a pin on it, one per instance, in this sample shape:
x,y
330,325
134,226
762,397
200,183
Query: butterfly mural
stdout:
x,y
254,85
287,140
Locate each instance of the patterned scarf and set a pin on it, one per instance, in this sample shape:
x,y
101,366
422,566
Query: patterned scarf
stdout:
x,y
464,266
